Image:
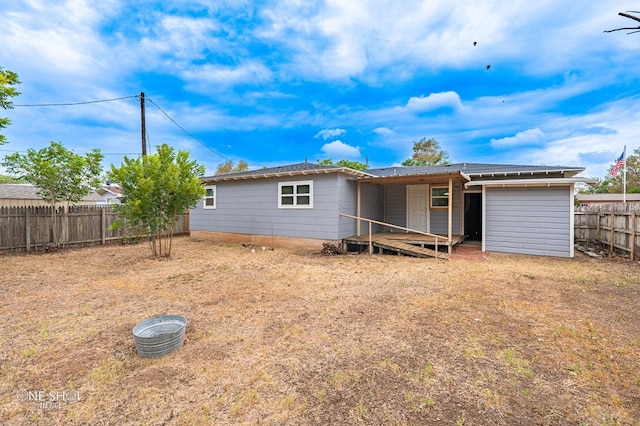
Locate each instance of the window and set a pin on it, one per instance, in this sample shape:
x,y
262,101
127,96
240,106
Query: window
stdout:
x,y
439,197
292,195
210,197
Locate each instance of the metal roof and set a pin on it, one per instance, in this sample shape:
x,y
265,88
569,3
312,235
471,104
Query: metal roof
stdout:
x,y
475,170
464,170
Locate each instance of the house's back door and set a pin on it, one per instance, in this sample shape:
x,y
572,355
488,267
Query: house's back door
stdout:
x,y
473,216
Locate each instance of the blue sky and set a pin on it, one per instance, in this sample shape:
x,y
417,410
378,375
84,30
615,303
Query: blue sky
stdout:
x,y
278,82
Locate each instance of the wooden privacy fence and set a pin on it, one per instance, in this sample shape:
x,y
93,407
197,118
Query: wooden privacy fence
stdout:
x,y
28,228
614,225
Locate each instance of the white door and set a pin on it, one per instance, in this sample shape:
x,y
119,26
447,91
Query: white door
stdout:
x,y
418,207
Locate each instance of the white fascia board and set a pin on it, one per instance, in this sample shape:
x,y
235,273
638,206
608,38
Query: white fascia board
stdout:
x,y
570,171
529,182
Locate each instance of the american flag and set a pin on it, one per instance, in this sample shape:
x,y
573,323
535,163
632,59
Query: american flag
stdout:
x,y
618,165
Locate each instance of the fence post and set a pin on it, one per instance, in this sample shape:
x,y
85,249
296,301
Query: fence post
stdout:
x,y
633,235
103,224
27,226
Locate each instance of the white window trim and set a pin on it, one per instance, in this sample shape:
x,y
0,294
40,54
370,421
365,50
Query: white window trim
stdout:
x,y
206,197
295,205
439,197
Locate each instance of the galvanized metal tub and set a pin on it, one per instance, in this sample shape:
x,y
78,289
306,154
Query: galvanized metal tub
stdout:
x,y
159,336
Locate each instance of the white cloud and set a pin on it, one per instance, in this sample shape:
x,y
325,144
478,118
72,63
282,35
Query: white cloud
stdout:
x,y
529,137
203,76
384,131
434,101
330,133
183,38
55,38
377,40
340,149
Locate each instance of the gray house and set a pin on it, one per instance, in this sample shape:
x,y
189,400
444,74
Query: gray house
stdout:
x,y
509,208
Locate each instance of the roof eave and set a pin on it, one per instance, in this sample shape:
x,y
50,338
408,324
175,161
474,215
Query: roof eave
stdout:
x,y
530,182
569,172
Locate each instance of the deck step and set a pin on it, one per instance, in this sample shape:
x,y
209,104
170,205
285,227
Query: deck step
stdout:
x,y
407,249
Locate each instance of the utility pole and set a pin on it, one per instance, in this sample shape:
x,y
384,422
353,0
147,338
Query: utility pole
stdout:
x,y
143,126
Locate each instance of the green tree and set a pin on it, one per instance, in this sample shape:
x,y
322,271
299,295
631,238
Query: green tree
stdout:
x,y
157,190
8,79
60,175
427,152
355,165
10,179
614,184
226,168
602,186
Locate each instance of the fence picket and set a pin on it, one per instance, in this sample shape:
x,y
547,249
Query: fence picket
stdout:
x,y
27,228
614,225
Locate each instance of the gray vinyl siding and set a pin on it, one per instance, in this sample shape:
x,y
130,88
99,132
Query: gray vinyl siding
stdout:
x,y
396,209
371,205
251,207
528,220
440,218
369,208
396,205
348,194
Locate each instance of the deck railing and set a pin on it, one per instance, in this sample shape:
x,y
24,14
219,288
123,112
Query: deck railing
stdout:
x,y
377,222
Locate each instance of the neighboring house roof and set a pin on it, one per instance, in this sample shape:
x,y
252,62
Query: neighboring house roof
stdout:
x,y
26,191
607,198
110,189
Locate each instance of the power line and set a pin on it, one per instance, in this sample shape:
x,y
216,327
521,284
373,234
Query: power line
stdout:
x,y
187,133
76,103
131,97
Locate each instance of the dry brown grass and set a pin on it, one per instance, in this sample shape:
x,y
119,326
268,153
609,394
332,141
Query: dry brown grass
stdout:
x,y
276,337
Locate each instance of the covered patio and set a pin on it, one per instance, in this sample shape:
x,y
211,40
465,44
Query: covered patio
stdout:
x,y
421,211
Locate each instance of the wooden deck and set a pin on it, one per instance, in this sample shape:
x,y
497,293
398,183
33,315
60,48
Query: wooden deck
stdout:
x,y
410,244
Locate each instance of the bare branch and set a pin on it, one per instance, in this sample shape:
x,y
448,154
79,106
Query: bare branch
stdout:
x,y
626,15
624,28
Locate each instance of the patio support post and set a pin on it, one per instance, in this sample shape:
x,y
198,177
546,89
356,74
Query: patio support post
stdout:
x,y
370,239
450,211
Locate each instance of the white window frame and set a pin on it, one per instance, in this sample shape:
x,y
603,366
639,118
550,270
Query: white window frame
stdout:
x,y
438,197
213,197
295,195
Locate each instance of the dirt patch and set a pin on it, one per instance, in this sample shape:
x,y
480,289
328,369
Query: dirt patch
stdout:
x,y
277,337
